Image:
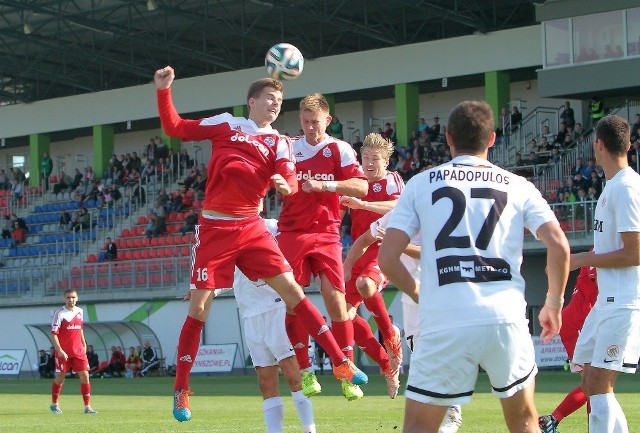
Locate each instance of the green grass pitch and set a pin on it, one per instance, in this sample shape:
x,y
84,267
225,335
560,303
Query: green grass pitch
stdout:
x,y
229,404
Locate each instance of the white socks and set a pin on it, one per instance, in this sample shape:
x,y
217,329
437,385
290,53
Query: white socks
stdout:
x,y
273,414
606,415
305,411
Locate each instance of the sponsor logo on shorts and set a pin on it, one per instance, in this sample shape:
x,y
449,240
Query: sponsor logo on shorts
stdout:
x,y
613,351
186,358
476,269
324,328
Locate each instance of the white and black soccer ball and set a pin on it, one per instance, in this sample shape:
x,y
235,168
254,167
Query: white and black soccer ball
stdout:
x,y
284,62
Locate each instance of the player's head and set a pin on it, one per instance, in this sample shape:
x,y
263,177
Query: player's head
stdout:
x,y
314,117
264,99
132,350
70,298
470,128
613,133
376,151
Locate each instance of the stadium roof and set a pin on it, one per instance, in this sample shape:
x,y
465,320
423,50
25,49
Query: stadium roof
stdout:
x,y
56,48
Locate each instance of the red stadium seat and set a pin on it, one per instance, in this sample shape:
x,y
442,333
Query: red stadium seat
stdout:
x,y
140,231
141,280
126,280
168,278
156,279
125,233
92,258
154,242
184,251
185,239
139,243
142,220
75,271
137,255
162,241
131,243
144,254
125,255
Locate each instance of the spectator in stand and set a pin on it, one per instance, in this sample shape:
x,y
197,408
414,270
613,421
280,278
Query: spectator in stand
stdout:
x,y
555,156
634,150
198,187
155,226
83,220
532,158
133,364
174,162
89,175
568,142
116,363
18,175
162,151
635,129
578,167
388,131
79,192
504,123
136,162
434,129
150,360
20,221
5,183
633,163
545,145
516,118
46,168
94,361
110,251
64,221
532,146
93,188
546,133
596,110
357,145
17,191
18,235
581,182
592,194
334,128
185,161
562,133
158,209
64,182
148,171
519,162
176,203
595,182
7,225
422,125
77,179
568,116
190,222
587,169
151,149
163,198
44,365
578,133
190,177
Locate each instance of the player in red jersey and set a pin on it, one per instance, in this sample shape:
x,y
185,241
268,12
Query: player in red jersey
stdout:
x,y
573,316
248,156
364,279
309,227
70,346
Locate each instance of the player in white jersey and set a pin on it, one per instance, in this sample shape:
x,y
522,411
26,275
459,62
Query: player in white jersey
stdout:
x,y
410,313
263,312
472,216
610,339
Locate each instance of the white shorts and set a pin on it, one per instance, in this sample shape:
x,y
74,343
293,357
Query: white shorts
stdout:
x,y
444,367
610,339
267,338
410,321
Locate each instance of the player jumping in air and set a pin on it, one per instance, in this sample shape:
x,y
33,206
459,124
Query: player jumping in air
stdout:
x,y
248,157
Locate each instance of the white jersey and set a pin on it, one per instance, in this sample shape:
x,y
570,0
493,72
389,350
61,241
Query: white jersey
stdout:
x,y
617,211
412,265
471,216
256,297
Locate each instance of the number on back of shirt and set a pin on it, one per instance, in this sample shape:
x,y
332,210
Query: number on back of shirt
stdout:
x,y
446,239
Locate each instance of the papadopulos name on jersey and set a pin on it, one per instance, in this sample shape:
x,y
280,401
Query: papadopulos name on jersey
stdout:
x,y
460,174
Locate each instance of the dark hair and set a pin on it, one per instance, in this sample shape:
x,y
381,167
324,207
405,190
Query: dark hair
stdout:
x,y
471,126
256,88
613,131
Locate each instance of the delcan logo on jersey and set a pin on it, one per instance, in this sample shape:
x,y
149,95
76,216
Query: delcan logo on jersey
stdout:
x,y
307,175
249,140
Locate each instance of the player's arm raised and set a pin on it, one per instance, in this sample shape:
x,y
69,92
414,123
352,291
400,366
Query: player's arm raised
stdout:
x,y
558,251
393,245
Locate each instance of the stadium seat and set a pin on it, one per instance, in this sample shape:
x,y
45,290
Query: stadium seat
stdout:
x,y
156,279
126,280
126,255
92,258
142,220
125,233
139,243
141,267
141,280
154,242
162,241
184,251
168,278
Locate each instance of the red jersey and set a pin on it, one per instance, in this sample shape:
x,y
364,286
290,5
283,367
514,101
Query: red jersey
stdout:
x,y
243,157
386,189
583,298
67,325
318,212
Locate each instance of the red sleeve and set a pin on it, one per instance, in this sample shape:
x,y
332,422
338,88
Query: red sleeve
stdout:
x,y
176,126
285,165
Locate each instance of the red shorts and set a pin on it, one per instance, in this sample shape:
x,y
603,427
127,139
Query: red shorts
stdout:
x,y
367,267
313,253
573,317
221,245
80,363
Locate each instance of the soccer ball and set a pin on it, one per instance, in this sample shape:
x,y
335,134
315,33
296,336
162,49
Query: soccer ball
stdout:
x,y
284,62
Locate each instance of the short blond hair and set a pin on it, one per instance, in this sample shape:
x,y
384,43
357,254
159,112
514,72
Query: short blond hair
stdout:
x,y
314,102
376,141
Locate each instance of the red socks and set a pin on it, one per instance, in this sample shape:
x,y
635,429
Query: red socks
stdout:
x,y
188,344
85,389
299,338
375,304
571,403
313,322
368,343
55,392
343,333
